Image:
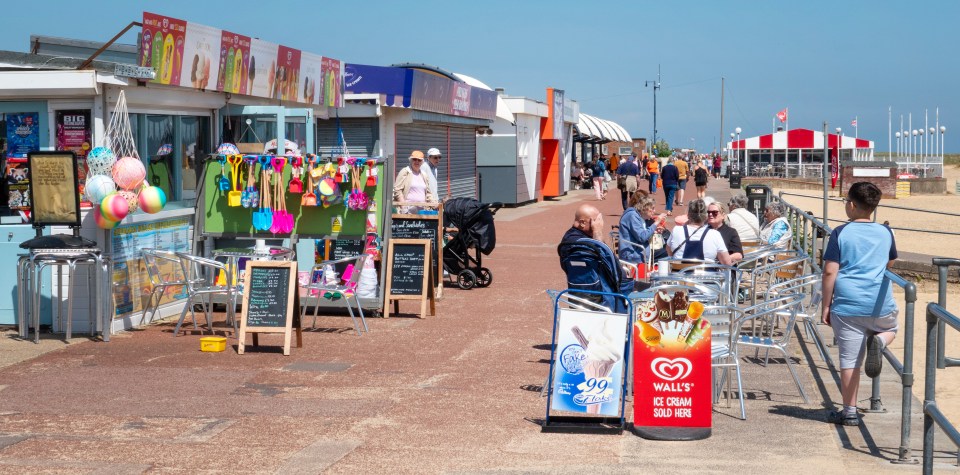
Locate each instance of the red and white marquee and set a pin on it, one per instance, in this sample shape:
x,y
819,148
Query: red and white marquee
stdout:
x,y
801,139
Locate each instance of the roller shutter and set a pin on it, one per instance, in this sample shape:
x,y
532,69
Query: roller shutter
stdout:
x,y
457,172
360,134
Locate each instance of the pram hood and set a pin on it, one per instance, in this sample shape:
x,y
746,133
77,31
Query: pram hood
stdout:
x,y
474,218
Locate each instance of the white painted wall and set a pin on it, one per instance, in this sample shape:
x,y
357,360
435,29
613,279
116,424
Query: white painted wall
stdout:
x,y
528,155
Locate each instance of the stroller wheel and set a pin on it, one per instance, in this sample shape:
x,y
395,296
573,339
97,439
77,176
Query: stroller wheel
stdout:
x,y
484,277
466,279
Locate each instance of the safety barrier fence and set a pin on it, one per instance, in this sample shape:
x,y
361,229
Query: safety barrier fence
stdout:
x,y
937,320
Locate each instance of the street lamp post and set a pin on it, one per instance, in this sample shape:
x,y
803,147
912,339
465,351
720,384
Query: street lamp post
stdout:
x,y
943,130
656,86
743,171
931,141
730,150
913,146
839,147
897,135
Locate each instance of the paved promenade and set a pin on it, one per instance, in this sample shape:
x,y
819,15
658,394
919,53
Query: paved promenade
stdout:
x,y
454,393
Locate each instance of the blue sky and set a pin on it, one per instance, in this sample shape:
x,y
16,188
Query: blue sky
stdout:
x,y
828,61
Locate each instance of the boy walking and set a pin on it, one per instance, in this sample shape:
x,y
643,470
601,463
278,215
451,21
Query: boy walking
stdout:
x,y
857,297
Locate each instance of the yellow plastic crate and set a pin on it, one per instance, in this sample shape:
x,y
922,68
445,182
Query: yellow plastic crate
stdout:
x,y
214,344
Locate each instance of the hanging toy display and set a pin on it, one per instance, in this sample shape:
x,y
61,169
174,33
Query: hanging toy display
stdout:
x,y
250,197
114,207
152,199
234,196
357,200
128,173
296,170
97,187
228,149
131,198
100,161
309,198
263,219
102,222
223,182
372,172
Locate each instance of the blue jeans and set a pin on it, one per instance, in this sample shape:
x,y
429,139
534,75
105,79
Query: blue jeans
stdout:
x,y
671,191
653,182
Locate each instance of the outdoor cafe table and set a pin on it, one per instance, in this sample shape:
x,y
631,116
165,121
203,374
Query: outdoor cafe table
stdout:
x,y
232,255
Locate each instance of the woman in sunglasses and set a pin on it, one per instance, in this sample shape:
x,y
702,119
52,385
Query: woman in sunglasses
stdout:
x,y
716,213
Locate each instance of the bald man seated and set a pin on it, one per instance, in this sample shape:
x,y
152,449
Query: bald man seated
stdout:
x,y
587,223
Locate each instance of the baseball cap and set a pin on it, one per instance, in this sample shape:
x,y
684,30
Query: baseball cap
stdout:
x,y
416,154
433,152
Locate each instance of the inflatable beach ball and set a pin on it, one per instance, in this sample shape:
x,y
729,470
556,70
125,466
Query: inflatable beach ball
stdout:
x,y
131,198
100,161
97,187
129,173
102,223
114,207
152,199
228,149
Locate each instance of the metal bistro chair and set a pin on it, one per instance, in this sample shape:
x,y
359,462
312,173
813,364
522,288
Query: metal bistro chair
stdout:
x,y
764,336
726,278
809,286
200,275
345,289
154,259
723,351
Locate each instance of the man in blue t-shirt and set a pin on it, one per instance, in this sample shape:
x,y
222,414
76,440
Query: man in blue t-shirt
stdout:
x,y
857,295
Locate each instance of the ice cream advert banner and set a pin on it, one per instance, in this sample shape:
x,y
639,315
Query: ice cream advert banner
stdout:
x,y
671,363
588,374
206,58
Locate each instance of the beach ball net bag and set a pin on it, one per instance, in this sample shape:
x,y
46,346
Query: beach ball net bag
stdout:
x,y
119,136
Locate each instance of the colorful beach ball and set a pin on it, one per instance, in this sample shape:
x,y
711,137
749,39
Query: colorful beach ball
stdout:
x,y
128,173
152,199
227,149
100,161
102,223
97,187
327,187
114,207
132,202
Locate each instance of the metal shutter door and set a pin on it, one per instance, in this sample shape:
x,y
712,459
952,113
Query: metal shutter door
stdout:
x,y
360,134
422,137
463,162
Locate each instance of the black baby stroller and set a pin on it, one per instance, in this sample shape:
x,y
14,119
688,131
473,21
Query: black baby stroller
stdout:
x,y
468,224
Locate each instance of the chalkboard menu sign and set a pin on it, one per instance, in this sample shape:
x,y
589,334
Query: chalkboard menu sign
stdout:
x,y
341,249
270,302
407,264
421,227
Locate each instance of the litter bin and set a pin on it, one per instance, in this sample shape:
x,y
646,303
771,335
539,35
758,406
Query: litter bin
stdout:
x,y
735,177
757,198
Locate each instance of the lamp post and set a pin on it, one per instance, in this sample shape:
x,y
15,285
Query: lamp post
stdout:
x,y
931,140
943,130
730,150
923,148
656,86
743,171
913,146
897,135
839,146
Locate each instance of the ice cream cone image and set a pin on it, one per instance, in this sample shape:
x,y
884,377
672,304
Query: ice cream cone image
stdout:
x,y
603,351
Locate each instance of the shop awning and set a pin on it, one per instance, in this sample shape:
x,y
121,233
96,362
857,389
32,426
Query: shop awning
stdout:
x,y
593,129
798,139
20,84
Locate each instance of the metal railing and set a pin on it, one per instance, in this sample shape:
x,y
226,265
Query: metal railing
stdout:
x,y
937,319
888,206
810,236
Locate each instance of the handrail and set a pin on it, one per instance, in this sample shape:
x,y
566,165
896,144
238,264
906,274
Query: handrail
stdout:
x,y
937,316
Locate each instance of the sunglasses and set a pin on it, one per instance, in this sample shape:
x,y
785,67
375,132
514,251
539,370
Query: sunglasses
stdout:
x,y
713,213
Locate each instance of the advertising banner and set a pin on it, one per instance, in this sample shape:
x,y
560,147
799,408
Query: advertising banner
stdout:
x,y
332,83
588,374
161,47
460,100
557,114
73,135
132,285
288,74
23,134
311,71
201,49
263,67
672,364
236,70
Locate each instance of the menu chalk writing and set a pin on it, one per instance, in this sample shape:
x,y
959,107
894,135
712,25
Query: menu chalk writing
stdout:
x,y
427,227
271,302
408,261
267,305
341,249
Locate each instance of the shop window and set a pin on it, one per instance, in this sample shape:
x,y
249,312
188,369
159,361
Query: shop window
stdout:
x,y
194,146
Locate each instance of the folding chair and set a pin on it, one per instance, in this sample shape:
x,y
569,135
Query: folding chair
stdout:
x,y
765,336
343,288
808,286
154,259
200,276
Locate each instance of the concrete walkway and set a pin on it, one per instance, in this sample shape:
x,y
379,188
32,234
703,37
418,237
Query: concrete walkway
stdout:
x,y
459,392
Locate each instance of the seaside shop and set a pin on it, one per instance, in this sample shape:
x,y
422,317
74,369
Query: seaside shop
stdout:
x,y
795,153
418,107
211,87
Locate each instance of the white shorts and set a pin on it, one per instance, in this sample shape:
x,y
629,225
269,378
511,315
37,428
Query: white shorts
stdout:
x,y
852,333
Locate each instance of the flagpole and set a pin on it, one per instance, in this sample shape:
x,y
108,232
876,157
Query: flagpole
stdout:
x,y
856,128
890,130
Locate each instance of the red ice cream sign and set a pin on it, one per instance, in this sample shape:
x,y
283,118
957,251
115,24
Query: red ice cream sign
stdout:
x,y
672,368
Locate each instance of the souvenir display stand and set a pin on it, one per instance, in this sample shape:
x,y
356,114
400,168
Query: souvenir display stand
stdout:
x,y
247,196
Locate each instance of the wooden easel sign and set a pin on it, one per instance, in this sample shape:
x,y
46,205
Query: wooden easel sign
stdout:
x,y
271,303
408,275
